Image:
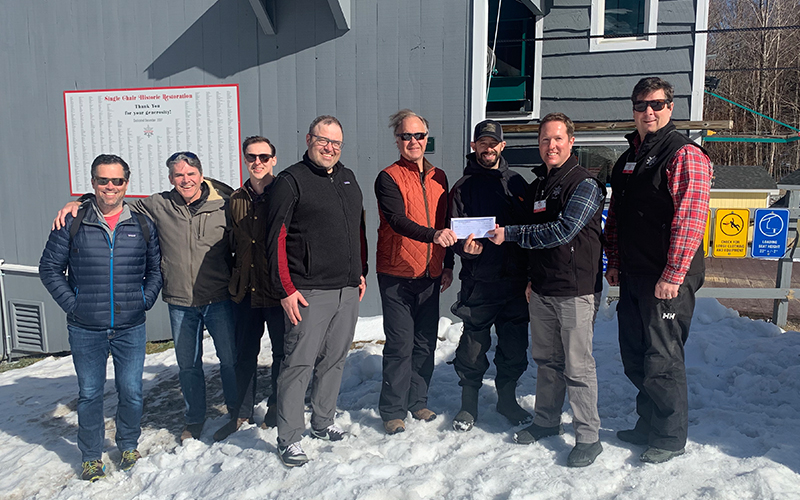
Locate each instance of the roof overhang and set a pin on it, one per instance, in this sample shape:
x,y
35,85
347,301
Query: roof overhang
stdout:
x,y
536,6
264,19
339,8
341,13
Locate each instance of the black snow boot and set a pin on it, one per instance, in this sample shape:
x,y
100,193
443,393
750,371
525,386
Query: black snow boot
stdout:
x,y
508,407
468,414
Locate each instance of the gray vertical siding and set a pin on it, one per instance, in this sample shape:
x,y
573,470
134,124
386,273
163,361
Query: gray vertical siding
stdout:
x,y
596,86
407,53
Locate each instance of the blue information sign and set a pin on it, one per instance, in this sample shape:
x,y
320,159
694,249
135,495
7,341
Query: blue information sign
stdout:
x,y
603,225
770,231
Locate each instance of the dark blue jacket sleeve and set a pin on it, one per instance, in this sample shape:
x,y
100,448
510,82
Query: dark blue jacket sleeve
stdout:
x,y
52,265
152,273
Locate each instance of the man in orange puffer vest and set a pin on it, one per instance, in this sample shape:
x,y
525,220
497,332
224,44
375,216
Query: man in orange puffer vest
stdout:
x,y
413,267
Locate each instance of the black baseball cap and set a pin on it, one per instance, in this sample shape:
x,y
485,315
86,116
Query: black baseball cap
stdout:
x,y
488,128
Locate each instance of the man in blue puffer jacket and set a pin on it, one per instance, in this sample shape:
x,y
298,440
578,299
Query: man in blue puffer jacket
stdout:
x,y
113,261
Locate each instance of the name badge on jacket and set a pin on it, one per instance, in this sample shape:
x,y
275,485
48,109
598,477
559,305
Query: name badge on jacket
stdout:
x,y
539,206
629,167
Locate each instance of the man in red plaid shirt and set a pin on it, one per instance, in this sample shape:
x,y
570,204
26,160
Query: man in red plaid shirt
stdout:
x,y
659,207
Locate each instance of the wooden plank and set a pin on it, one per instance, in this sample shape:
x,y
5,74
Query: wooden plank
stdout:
x,y
347,99
366,84
306,23
212,58
392,43
325,65
560,64
292,133
368,127
246,53
736,293
600,126
676,12
23,28
432,78
455,127
197,19
276,92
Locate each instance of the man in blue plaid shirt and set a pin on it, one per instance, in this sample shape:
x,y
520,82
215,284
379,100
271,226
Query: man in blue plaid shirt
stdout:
x,y
565,272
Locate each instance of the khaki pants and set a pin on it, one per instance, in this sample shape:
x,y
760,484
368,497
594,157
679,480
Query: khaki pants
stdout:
x,y
561,344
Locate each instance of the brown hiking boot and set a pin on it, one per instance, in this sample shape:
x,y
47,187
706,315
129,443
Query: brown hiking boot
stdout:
x,y
394,426
424,414
192,431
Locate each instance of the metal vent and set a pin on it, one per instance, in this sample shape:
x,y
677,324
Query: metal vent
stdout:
x,y
27,326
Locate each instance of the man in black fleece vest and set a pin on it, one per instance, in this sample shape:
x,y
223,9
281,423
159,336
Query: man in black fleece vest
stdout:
x,y
656,220
564,291
317,255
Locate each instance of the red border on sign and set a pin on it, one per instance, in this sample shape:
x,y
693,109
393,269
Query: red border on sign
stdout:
x,y
238,124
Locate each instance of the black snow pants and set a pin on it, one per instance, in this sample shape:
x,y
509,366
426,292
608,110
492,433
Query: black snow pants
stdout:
x,y
652,335
481,305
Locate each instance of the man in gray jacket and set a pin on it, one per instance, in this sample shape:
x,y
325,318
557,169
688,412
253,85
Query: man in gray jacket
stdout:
x,y
193,226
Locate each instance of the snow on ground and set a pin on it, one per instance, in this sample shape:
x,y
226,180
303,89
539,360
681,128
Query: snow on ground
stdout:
x,y
744,396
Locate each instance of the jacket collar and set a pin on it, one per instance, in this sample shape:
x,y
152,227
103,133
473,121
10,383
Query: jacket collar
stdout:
x,y
650,140
413,167
95,215
558,172
475,168
213,194
209,193
247,189
322,172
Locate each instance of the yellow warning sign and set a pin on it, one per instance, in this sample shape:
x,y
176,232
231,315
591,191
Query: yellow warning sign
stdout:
x,y
730,233
705,235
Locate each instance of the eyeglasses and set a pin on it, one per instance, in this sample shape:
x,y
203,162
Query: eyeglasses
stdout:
x,y
324,141
657,105
251,158
406,136
187,154
117,181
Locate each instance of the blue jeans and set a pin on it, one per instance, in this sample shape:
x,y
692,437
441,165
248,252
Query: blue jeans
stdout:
x,y
187,331
90,349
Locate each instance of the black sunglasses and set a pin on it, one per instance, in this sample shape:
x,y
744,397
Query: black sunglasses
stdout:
x,y
187,154
657,105
251,158
117,181
406,136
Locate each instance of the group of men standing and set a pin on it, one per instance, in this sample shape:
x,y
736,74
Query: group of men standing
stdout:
x,y
290,251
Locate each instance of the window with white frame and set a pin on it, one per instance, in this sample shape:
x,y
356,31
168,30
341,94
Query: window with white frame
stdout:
x,y
623,25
